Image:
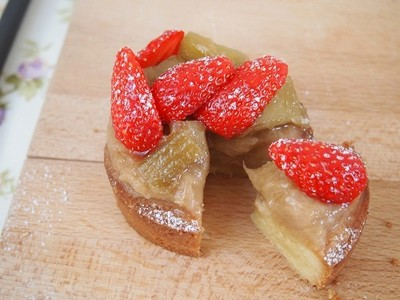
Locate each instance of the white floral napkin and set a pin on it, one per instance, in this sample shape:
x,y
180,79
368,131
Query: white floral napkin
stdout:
x,y
23,86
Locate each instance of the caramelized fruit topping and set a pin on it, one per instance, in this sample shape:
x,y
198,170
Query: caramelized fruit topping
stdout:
x,y
194,46
171,159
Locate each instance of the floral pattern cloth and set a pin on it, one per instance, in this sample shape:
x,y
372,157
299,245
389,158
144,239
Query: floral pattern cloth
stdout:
x,y
23,85
28,78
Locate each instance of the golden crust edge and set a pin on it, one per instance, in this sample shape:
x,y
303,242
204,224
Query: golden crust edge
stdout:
x,y
331,272
130,203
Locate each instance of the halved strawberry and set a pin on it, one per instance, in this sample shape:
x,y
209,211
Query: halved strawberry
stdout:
x,y
160,48
237,104
324,171
135,119
181,90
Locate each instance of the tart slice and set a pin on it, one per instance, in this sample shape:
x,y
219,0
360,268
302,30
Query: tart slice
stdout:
x,y
312,204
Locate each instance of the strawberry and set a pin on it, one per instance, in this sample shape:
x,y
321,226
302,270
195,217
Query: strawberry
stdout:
x,y
181,90
237,105
324,171
160,48
135,119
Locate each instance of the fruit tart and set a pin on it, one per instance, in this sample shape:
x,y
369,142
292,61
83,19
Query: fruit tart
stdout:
x,y
312,204
177,104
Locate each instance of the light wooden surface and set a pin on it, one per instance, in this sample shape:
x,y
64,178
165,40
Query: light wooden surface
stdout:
x,y
65,237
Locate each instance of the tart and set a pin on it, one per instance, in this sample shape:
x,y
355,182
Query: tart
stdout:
x,y
185,106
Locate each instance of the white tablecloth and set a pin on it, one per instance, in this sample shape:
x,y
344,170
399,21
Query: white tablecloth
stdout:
x,y
23,86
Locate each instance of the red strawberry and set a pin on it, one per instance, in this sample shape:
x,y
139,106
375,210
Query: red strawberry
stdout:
x,y
324,171
237,105
181,90
135,119
160,48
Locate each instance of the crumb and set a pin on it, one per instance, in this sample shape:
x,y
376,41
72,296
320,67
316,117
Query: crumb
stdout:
x,y
394,261
332,295
389,224
335,281
348,144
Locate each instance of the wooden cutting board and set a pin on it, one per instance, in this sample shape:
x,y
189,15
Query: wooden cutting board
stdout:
x,y
65,237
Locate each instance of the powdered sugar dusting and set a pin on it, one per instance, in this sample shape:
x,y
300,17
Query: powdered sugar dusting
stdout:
x,y
134,116
33,213
342,245
38,207
168,218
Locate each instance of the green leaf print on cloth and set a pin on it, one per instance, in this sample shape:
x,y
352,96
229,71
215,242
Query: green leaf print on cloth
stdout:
x,y
6,183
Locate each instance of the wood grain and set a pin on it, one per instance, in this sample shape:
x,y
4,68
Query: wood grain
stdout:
x,y
344,64
66,238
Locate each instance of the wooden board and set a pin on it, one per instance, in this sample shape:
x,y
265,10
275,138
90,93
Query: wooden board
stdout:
x,y
65,237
